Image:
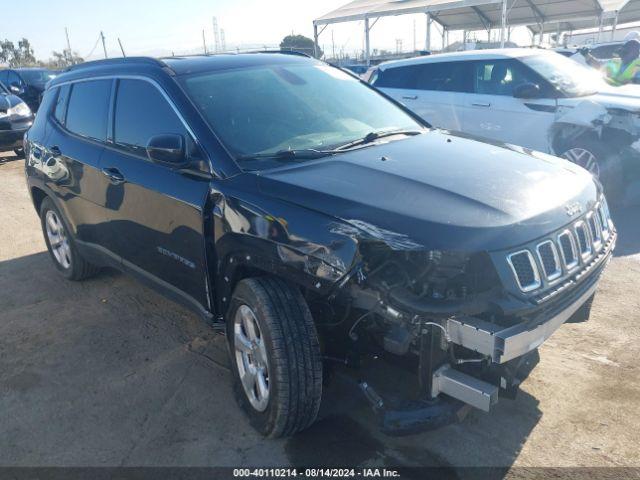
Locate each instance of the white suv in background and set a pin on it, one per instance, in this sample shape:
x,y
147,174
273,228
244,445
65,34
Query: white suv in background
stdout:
x,y
536,99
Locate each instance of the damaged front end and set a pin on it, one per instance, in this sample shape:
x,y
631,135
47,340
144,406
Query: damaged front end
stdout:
x,y
434,332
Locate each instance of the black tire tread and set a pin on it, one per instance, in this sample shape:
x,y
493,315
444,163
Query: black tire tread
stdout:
x,y
295,353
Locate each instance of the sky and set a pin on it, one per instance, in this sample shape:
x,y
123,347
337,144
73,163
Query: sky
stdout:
x,y
160,27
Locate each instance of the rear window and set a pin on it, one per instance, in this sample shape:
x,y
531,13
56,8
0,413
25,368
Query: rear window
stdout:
x,y
439,77
61,104
88,110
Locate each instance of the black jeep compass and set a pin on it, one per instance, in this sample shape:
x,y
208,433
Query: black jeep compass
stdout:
x,y
321,226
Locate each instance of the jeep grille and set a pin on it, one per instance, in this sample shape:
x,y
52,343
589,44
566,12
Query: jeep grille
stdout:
x,y
555,258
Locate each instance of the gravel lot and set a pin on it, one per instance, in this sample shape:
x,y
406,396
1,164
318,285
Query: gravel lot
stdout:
x,y
108,373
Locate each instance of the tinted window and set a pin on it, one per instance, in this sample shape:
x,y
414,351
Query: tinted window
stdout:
x,y
444,77
500,77
61,103
4,75
14,78
398,77
142,112
88,109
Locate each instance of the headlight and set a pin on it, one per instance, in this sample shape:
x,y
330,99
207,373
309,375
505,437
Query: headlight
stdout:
x,y
20,110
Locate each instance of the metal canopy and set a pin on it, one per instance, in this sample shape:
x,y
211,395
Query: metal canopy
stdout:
x,y
546,15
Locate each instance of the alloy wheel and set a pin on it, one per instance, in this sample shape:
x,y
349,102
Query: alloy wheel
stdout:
x,y
58,239
251,358
584,158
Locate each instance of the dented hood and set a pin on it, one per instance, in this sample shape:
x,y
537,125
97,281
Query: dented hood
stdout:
x,y
437,190
626,97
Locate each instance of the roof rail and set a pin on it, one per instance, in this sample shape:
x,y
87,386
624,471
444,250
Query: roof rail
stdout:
x,y
116,61
284,52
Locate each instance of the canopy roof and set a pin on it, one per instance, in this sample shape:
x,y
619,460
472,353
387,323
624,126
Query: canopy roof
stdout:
x,y
485,14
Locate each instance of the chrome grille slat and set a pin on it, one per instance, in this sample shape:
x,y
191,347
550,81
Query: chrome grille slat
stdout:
x,y
568,250
525,270
549,259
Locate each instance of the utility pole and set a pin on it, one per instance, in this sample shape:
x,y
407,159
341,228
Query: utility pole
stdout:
x,y
121,49
223,41
66,32
216,35
104,46
204,43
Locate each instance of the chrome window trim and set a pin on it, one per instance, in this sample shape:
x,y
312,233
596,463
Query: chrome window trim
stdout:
x,y
558,272
536,275
158,87
574,250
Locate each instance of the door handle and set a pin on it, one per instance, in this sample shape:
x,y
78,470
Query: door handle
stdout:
x,y
483,105
55,151
114,175
409,97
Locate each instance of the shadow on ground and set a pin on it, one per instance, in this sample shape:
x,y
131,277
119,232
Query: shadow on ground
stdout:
x,y
107,372
627,221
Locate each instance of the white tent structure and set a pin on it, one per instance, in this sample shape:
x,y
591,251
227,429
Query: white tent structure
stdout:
x,y
545,15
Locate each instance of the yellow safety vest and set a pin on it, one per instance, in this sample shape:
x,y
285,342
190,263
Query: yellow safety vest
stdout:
x,y
616,76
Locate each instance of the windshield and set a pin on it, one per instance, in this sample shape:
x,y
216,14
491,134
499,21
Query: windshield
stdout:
x,y
566,75
268,109
37,76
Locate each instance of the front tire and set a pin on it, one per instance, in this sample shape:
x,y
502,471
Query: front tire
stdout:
x,y
19,152
60,244
275,356
593,156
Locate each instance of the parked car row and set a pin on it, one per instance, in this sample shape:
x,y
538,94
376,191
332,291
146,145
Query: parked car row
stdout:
x,y
15,119
535,99
318,222
21,90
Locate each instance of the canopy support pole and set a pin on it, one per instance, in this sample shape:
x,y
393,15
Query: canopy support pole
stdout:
x,y
503,24
367,46
444,34
601,27
315,40
615,26
427,43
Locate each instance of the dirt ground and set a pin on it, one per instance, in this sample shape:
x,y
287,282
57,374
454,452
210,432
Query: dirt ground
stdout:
x,y
109,373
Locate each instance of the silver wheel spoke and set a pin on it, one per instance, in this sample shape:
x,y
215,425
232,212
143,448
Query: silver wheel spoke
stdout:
x,y
58,241
248,379
261,383
241,342
251,357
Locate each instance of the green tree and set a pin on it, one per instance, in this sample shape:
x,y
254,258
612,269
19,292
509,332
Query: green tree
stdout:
x,y
64,59
299,43
22,56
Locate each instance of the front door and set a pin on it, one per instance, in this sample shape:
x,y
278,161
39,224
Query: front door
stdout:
x,y
493,112
156,211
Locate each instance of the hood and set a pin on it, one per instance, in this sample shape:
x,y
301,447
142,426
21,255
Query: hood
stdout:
x,y
626,97
8,100
438,191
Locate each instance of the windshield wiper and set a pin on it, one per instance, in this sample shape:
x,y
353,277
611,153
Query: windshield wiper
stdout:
x,y
373,136
301,154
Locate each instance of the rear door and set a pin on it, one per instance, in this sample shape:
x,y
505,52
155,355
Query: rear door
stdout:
x,y
72,154
436,91
493,112
156,211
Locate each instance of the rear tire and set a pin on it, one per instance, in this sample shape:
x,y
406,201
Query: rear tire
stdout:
x,y
274,347
61,246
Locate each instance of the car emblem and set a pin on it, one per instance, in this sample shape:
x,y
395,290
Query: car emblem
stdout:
x,y
573,209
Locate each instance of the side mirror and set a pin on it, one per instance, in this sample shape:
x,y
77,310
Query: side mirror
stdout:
x,y
168,149
16,88
527,91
